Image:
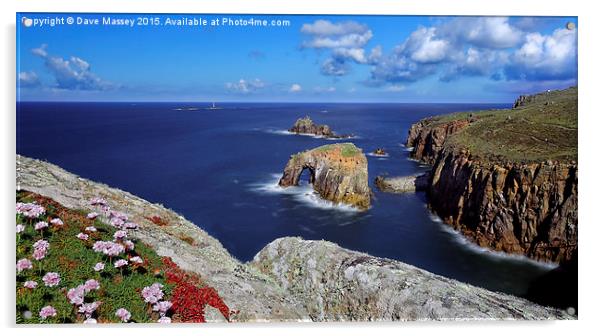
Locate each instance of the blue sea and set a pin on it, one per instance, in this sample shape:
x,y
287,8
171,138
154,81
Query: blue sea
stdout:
x,y
220,168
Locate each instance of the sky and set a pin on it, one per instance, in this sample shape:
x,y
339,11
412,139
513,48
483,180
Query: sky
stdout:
x,y
307,58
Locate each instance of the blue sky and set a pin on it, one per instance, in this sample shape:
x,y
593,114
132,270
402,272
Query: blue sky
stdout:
x,y
315,58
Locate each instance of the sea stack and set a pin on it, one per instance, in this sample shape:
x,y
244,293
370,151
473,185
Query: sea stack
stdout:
x,y
307,126
338,172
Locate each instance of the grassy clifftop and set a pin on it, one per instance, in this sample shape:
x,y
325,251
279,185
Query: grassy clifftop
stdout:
x,y
542,127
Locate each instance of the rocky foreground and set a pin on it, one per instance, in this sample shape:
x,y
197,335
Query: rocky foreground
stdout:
x,y
291,279
507,179
338,172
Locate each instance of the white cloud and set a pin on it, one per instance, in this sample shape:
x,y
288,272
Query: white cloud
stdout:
x,y
73,73
346,42
295,88
545,56
28,79
483,32
330,89
395,88
245,86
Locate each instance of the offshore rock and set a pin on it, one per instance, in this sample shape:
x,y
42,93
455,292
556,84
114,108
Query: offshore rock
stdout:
x,y
402,184
337,284
338,172
306,126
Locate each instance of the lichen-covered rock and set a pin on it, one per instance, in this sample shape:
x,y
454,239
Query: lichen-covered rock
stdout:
x,y
307,126
338,172
337,284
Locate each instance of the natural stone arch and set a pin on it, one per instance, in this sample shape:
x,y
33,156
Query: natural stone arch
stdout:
x,y
338,172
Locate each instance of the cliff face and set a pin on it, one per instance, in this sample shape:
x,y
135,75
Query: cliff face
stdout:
x,y
527,208
290,279
428,138
338,172
337,284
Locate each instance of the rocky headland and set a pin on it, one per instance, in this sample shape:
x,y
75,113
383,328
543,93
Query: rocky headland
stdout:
x,y
307,126
338,172
507,179
291,279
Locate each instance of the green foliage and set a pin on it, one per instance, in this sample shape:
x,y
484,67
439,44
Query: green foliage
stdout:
x,y
544,129
74,260
347,149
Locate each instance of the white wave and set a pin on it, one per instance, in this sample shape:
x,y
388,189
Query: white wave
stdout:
x,y
378,155
466,243
286,132
304,194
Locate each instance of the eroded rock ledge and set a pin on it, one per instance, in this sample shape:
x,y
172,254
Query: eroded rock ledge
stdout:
x,y
338,172
290,279
337,284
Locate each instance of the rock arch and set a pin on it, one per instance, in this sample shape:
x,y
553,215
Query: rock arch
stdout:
x,y
338,172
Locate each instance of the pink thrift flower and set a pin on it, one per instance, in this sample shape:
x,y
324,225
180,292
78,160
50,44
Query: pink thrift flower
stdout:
x,y
41,225
129,245
162,306
88,308
123,314
20,228
119,215
30,210
39,254
57,222
51,279
82,236
136,260
152,293
30,284
119,235
76,295
92,284
116,222
98,201
41,245
120,263
23,264
99,267
164,319
92,215
90,229
90,321
47,311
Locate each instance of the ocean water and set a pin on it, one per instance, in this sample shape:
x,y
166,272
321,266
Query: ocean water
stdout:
x,y
220,168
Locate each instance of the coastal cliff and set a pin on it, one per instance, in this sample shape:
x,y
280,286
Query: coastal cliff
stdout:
x,y
338,172
291,279
507,179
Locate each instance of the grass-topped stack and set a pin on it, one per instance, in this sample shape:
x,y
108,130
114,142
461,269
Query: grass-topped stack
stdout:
x,y
338,172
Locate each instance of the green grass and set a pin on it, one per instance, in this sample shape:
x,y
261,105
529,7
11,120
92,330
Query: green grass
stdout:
x,y
74,260
347,149
544,129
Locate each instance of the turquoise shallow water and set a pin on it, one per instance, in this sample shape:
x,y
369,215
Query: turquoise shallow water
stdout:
x,y
219,168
